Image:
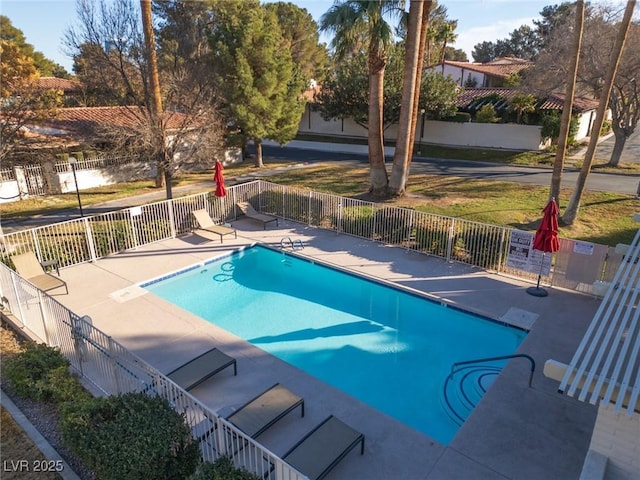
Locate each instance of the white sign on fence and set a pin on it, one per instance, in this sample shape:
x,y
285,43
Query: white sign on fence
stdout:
x,y
522,256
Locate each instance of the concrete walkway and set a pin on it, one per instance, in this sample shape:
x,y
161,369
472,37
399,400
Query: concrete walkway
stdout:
x,y
516,432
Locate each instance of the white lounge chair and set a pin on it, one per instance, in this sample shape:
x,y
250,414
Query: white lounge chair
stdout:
x,y
28,267
206,223
250,212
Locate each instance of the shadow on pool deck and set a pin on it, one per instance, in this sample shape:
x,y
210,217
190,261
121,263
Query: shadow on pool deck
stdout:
x,y
516,432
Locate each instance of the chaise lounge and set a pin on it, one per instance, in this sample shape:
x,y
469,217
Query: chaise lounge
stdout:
x,y
201,368
206,223
323,448
250,212
28,267
261,412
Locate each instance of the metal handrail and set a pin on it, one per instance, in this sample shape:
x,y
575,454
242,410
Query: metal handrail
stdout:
x,y
491,359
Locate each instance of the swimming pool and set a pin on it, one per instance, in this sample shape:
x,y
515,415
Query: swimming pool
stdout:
x,y
387,347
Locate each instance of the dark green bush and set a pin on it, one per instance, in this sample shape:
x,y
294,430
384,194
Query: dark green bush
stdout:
x,y
221,469
130,437
477,248
65,387
391,226
356,221
432,237
29,372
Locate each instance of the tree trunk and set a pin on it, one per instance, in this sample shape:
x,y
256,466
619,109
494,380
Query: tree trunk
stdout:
x,y
404,148
618,146
571,213
168,181
416,103
258,145
569,93
378,171
154,80
625,112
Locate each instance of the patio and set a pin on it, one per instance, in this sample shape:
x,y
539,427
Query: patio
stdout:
x,y
516,432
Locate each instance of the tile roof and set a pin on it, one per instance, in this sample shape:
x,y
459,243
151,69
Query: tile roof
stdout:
x,y
580,104
65,84
501,67
84,120
468,96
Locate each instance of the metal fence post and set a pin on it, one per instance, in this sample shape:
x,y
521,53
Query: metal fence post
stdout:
x,y
90,242
309,209
43,317
172,220
114,367
450,239
17,296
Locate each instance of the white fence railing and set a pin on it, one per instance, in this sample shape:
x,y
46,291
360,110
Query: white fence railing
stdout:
x,y
481,245
113,369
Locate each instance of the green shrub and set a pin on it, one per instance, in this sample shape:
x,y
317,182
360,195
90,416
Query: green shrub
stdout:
x,y
357,221
130,437
486,114
460,117
78,155
433,236
477,248
391,226
221,469
65,387
29,372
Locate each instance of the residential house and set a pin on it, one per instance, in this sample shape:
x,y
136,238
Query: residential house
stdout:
x,y
491,74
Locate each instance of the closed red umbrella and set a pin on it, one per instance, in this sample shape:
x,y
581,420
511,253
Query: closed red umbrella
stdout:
x,y
546,240
219,179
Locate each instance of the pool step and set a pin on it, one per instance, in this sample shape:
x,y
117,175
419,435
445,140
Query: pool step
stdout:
x,y
464,389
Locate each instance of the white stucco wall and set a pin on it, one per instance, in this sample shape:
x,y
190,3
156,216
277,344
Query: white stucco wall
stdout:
x,y
617,437
9,191
490,135
460,75
485,135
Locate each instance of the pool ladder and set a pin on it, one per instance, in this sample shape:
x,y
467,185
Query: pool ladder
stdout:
x,y
293,244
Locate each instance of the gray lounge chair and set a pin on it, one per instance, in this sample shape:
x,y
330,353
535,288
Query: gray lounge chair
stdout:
x,y
323,448
249,211
201,368
28,267
261,412
206,223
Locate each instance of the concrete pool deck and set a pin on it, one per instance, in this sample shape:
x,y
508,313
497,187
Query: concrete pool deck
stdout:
x,y
516,432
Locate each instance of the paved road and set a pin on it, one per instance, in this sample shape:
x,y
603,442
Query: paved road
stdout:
x,y
308,152
630,153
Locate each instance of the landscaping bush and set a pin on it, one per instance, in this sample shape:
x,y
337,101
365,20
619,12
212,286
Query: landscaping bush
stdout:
x,y
131,437
432,237
30,372
391,226
356,221
221,469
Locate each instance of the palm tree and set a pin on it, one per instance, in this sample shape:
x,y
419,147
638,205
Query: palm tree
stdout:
x,y
156,99
570,89
358,25
571,213
414,61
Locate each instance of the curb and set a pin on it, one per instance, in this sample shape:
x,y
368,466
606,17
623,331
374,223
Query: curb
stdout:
x,y
36,437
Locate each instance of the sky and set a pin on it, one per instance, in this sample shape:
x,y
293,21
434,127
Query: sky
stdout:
x,y
44,22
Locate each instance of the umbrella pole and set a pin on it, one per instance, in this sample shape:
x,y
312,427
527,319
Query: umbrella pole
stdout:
x,y
537,291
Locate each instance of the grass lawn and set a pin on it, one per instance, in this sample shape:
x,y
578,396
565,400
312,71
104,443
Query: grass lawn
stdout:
x,y
605,218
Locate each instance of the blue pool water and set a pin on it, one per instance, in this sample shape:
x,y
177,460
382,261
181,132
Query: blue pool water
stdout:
x,y
391,349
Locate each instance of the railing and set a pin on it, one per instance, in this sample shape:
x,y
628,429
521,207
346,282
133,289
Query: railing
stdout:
x,y
480,245
493,359
112,369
